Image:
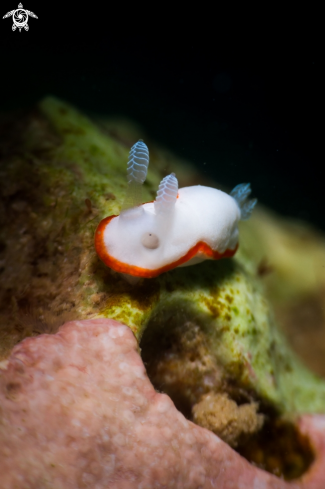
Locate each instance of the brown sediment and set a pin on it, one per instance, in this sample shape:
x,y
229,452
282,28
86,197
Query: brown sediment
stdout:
x,y
232,423
49,271
179,362
279,448
42,254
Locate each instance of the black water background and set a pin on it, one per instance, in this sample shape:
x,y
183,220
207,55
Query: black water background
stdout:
x,y
242,104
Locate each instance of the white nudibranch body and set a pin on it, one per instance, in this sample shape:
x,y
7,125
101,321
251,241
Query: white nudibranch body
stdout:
x,y
181,227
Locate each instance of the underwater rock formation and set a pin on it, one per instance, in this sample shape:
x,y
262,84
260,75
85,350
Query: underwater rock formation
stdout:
x,y
78,411
60,174
206,330
289,257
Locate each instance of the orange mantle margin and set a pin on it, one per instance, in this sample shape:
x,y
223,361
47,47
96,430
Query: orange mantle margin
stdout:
x,y
119,266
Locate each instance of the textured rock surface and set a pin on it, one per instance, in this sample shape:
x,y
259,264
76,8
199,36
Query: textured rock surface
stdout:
x,y
78,411
288,253
289,257
60,175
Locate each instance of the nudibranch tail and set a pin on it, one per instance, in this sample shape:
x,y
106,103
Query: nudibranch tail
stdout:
x,y
137,168
240,194
167,194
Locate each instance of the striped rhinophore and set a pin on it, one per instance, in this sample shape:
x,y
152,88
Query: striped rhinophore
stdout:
x,y
181,227
167,194
138,163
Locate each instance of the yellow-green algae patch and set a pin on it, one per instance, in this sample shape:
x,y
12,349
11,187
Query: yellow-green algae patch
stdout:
x,y
63,177
227,303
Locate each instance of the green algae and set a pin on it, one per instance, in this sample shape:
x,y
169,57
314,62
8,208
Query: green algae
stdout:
x,y
228,305
76,178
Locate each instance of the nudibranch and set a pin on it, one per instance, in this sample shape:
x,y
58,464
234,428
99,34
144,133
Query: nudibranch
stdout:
x,y
181,227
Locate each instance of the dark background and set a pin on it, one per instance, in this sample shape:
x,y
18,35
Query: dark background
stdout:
x,y
243,101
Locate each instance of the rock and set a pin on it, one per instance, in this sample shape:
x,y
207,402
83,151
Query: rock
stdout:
x,y
288,255
78,411
205,330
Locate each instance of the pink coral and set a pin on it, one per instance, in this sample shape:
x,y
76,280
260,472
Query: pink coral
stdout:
x,y
78,411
